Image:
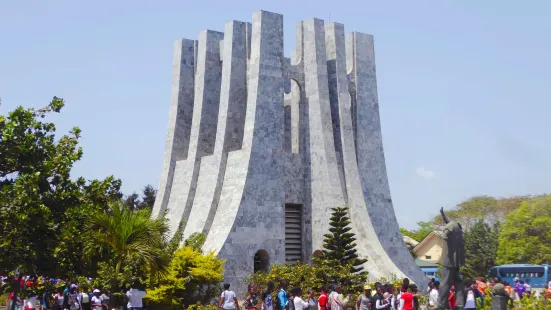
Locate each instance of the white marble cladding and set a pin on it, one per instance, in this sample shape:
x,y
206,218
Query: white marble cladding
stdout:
x,y
238,148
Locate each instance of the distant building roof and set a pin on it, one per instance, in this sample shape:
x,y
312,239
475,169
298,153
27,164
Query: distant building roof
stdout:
x,y
432,234
424,264
410,241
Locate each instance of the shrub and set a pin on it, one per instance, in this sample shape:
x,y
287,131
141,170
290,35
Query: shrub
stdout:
x,y
202,307
193,278
321,273
526,303
117,300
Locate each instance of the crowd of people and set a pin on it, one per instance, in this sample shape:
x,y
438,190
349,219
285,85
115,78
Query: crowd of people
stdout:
x,y
477,290
381,296
63,295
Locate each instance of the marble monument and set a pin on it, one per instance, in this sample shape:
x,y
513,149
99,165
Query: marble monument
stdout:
x,y
261,146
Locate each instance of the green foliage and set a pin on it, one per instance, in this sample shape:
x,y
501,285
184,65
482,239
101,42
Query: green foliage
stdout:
x,y
423,230
199,306
526,303
174,243
321,273
491,210
525,236
481,242
193,277
339,245
41,210
147,201
106,278
134,240
196,241
118,299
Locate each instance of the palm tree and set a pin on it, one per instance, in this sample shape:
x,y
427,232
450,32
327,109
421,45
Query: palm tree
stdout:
x,y
124,232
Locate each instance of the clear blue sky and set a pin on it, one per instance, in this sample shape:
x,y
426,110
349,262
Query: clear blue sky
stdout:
x,y
461,85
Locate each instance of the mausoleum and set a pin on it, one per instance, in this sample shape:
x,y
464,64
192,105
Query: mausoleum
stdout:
x,y
260,147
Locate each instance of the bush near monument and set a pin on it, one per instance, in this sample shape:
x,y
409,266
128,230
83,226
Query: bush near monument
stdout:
x,y
321,273
193,278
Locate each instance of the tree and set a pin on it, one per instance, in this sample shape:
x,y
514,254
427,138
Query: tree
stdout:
x,y
525,236
147,201
128,234
339,245
196,241
491,210
40,204
423,230
193,277
132,200
481,242
149,194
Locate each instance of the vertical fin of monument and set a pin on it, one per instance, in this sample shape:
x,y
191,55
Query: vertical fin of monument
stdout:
x,y
229,137
252,218
179,118
378,263
371,160
327,190
335,93
208,76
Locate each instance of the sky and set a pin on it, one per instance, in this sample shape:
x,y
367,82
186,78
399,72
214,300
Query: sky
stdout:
x,y
463,102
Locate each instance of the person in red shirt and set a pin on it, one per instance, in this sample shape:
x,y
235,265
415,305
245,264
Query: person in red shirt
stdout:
x,y
322,301
406,299
451,298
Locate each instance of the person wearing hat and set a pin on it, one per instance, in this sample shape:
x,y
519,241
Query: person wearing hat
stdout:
x,y
97,301
364,300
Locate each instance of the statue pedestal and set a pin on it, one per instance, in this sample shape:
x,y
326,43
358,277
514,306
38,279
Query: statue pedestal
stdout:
x,y
499,302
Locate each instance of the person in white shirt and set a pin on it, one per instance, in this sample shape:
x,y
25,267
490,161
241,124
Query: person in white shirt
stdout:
x,y
97,301
433,296
528,286
337,303
228,300
135,297
297,301
383,303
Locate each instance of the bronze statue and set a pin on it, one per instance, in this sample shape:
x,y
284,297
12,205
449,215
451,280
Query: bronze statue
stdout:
x,y
453,257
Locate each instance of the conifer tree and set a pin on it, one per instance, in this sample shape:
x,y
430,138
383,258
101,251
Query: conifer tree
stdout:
x,y
339,245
